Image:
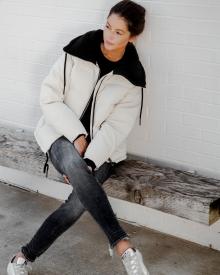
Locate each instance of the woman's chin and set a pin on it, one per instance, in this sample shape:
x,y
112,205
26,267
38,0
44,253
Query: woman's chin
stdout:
x,y
109,46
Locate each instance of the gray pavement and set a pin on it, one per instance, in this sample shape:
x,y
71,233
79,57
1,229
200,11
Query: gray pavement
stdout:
x,y
83,250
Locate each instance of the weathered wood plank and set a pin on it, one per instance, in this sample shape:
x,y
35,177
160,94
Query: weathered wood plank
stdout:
x,y
172,191
19,150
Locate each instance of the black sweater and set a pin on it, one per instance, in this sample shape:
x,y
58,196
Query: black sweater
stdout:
x,y
105,66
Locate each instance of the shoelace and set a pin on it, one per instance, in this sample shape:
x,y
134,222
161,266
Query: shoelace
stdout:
x,y
22,269
131,263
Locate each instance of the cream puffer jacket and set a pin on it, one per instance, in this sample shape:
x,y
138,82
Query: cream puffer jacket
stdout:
x,y
64,96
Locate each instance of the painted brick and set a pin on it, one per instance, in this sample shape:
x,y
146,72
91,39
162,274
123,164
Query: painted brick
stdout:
x,y
179,50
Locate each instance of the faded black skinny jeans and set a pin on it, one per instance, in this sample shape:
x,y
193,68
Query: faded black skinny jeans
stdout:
x,y
87,194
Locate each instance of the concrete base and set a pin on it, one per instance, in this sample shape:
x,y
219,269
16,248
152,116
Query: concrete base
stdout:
x,y
83,249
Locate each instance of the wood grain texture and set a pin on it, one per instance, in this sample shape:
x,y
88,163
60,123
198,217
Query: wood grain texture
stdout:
x,y
172,191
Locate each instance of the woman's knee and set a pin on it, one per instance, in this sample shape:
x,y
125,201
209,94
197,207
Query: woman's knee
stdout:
x,y
64,155
72,165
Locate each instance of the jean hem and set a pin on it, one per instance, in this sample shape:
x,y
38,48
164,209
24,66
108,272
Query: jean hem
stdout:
x,y
24,253
124,237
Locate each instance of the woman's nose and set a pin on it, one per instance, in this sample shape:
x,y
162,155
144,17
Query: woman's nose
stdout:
x,y
111,34
111,37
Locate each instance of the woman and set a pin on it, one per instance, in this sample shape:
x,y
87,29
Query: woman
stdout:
x,y
90,101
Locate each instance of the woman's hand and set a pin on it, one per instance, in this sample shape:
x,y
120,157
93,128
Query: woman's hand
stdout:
x,y
81,144
66,179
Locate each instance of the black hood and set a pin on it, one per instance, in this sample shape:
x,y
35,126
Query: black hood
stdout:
x,y
85,46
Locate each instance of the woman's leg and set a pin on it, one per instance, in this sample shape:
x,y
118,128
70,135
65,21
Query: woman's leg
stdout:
x,y
67,161
57,223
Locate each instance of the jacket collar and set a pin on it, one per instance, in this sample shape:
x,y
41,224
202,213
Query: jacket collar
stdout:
x,y
86,47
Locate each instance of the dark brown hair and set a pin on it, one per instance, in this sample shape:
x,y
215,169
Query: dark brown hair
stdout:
x,y
133,13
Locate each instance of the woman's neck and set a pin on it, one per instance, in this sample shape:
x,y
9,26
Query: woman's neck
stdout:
x,y
114,55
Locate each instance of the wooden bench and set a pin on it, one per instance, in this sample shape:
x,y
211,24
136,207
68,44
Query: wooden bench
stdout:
x,y
171,191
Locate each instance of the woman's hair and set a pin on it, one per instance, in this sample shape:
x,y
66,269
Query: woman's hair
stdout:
x,y
133,13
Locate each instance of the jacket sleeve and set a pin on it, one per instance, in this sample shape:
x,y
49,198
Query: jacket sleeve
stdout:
x,y
57,114
115,129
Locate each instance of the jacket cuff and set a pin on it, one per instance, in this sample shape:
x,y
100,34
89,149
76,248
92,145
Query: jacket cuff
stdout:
x,y
90,163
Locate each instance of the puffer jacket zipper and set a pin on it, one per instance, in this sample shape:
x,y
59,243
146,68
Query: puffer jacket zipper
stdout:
x,y
109,159
94,107
90,96
86,106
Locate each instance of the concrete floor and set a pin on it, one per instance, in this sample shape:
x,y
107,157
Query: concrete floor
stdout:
x,y
82,250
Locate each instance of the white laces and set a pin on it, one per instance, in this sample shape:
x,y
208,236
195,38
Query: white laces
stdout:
x,y
131,263
22,268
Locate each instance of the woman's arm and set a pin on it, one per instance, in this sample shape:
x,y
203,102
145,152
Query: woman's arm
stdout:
x,y
56,112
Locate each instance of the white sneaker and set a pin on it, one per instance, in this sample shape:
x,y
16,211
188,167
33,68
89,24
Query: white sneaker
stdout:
x,y
133,262
20,267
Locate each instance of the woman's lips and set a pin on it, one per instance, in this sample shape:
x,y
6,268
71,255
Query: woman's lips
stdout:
x,y
109,43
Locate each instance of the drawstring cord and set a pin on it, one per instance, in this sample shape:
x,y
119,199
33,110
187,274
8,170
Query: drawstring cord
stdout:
x,y
142,95
64,73
46,165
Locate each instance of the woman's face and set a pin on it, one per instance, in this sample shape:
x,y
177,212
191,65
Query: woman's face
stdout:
x,y
116,34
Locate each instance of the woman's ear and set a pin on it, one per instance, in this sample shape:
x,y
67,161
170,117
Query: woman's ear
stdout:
x,y
133,38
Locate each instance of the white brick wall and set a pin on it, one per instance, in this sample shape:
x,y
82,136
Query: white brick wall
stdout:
x,y
182,122
180,50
